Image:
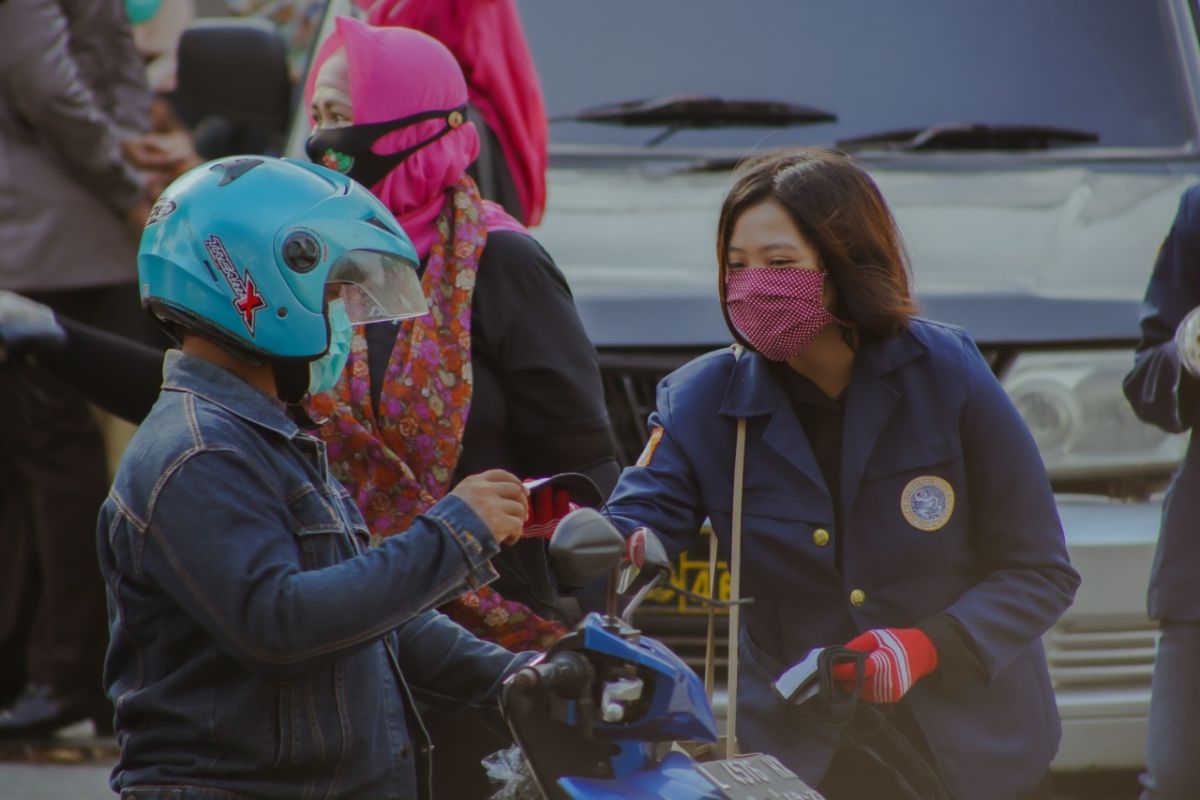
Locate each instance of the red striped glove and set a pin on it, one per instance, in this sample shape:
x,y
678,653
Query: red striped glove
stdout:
x,y
897,658
548,504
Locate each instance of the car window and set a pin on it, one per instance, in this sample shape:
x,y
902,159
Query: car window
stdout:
x,y
1103,66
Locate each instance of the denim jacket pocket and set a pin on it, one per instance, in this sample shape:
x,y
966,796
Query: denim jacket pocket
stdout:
x,y
353,518
317,526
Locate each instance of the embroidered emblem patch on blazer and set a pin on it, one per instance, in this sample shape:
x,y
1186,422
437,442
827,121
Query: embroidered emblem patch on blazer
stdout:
x,y
651,445
927,502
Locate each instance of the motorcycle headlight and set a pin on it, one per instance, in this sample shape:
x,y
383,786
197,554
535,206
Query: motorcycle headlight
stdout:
x,y
1077,412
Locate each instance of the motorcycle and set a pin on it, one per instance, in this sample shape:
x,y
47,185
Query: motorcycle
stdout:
x,y
603,714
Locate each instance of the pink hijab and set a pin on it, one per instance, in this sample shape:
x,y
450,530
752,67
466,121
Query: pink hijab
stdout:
x,y
487,39
397,72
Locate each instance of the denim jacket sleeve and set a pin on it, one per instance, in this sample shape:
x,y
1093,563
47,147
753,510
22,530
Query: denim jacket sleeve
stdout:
x,y
219,541
1160,391
447,666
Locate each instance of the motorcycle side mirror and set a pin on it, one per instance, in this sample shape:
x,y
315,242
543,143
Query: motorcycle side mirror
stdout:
x,y
585,546
644,553
237,69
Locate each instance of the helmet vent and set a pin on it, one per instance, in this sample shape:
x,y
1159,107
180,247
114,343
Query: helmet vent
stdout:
x,y
378,223
301,252
235,169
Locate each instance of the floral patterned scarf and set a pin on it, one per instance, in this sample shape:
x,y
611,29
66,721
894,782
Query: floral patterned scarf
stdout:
x,y
400,462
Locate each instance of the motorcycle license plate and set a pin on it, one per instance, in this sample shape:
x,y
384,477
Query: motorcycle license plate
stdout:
x,y
756,777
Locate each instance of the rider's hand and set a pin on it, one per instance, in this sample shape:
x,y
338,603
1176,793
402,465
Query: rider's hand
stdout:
x,y
896,658
499,499
27,327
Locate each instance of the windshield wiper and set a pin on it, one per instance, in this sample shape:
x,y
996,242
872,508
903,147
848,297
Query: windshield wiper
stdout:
x,y
688,111
971,136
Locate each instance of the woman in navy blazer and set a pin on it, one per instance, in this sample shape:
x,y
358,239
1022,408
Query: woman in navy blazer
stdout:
x,y
893,497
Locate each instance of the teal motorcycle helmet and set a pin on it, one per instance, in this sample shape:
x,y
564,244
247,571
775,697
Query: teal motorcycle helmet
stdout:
x,y
247,251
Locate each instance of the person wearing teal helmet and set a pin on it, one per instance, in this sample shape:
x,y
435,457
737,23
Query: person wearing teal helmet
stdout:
x,y
208,265
258,646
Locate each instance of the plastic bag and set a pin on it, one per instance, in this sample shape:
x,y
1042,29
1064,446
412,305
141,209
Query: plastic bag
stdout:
x,y
509,770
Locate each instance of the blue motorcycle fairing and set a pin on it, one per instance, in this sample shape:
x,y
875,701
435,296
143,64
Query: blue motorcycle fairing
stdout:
x,y
631,757
679,707
674,778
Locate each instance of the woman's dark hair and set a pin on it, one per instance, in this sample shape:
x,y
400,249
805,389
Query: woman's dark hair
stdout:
x,y
841,213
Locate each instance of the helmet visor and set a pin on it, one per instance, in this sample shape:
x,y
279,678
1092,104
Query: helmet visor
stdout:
x,y
377,286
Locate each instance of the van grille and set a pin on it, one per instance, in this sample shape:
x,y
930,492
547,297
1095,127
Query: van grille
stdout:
x,y
630,379
1088,654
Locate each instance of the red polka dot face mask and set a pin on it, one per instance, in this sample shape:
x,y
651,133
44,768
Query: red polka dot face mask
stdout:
x,y
778,311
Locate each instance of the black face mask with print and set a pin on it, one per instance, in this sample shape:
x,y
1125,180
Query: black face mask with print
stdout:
x,y
348,149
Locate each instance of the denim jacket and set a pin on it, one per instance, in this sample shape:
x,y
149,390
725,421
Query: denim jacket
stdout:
x,y
258,647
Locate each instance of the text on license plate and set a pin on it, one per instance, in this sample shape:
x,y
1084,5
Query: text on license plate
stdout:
x,y
756,777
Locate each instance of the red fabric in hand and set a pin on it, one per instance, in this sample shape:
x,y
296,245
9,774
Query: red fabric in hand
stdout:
x,y
897,658
547,505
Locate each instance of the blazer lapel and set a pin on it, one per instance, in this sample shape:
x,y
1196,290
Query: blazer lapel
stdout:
x,y
869,405
754,392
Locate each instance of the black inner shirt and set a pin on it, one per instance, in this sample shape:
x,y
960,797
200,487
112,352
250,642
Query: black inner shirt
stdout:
x,y
822,418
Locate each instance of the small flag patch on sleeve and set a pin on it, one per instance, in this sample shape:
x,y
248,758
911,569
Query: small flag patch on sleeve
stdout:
x,y
652,445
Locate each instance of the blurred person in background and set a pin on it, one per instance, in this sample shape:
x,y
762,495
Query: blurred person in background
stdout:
x,y
485,37
167,150
72,90
295,20
157,28
1164,390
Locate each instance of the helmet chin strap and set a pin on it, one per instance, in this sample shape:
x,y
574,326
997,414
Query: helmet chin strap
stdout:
x,y
300,416
291,381
291,384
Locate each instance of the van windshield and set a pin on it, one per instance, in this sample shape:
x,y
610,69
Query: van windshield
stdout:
x,y
1107,67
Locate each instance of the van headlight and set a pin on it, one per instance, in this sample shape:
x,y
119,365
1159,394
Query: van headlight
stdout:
x,y
1077,412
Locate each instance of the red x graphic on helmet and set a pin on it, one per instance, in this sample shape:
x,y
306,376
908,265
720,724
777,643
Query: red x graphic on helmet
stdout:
x,y
249,304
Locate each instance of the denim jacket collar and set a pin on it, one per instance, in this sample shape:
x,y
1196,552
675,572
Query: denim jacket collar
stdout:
x,y
217,385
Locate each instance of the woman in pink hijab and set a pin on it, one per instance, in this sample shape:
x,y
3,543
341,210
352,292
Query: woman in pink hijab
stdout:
x,y
499,374
488,41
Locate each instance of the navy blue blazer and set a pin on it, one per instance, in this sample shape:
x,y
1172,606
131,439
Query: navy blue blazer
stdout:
x,y
946,508
1164,394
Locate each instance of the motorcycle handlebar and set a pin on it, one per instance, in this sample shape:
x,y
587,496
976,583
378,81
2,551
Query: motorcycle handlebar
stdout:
x,y
565,673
